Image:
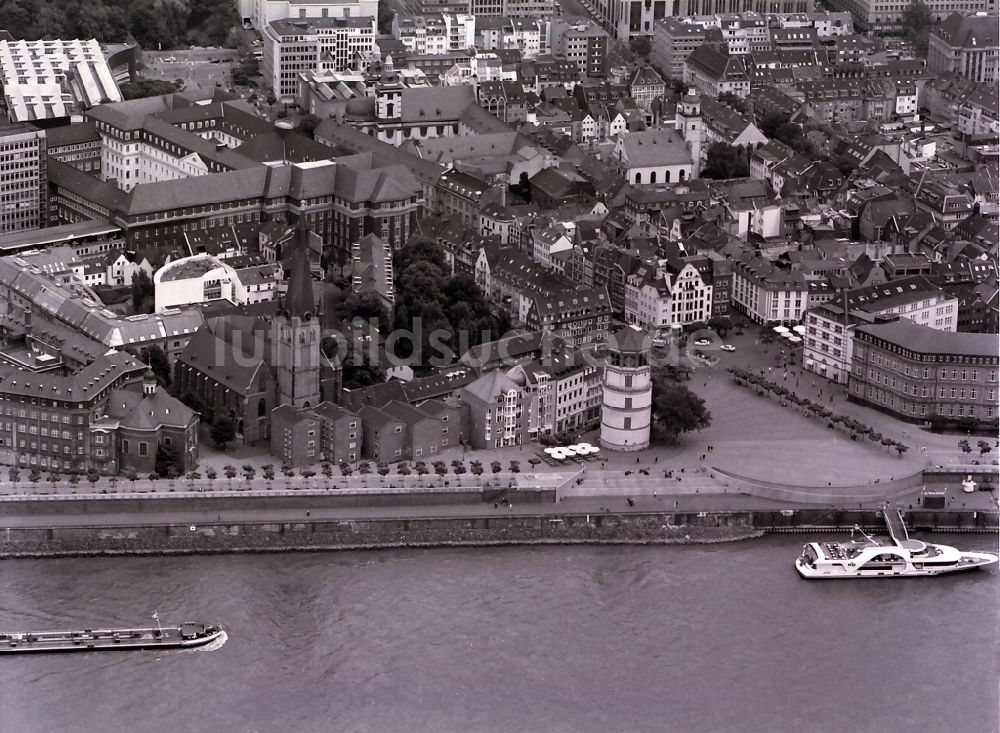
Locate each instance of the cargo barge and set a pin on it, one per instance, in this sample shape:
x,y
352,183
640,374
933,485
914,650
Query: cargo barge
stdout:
x,y
185,636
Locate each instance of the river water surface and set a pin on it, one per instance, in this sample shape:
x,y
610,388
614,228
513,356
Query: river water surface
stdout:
x,y
605,639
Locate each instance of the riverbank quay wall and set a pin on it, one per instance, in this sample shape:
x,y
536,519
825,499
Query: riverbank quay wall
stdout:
x,y
521,529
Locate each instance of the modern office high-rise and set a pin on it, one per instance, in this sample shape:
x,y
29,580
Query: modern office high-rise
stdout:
x,y
23,180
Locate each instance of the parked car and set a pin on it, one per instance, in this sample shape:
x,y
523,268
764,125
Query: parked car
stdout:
x,y
702,342
728,347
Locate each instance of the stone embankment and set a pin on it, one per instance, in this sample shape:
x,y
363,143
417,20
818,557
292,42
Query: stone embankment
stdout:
x,y
319,535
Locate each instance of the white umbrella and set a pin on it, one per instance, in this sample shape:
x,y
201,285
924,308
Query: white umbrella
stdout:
x,y
594,449
552,451
788,336
799,329
780,329
557,453
795,340
569,452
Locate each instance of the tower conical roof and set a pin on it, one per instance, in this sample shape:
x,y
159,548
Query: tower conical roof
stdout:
x,y
299,301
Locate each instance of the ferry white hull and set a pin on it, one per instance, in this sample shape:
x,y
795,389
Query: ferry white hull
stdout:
x,y
971,561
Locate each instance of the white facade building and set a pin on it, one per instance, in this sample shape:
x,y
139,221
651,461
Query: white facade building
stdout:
x,y
48,79
626,411
767,294
829,338
261,13
659,297
425,35
197,279
292,47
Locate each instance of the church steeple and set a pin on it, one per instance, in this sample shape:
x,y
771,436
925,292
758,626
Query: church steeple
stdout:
x,y
299,301
297,370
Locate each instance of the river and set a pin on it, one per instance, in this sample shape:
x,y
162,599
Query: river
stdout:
x,y
697,638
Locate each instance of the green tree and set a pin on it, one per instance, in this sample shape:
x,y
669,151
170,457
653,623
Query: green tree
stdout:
x,y
167,457
157,360
223,431
147,88
917,21
676,409
522,189
193,401
721,325
641,46
726,161
308,125
367,306
734,101
143,293
385,15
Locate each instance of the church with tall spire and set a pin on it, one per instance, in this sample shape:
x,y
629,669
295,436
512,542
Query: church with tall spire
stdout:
x,y
298,332
242,365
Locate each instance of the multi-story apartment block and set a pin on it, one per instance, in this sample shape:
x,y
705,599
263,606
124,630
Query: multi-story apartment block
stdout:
x,y
107,416
885,17
491,8
564,390
530,8
166,138
294,46
500,413
434,34
713,72
645,86
49,79
342,201
32,281
667,294
261,13
966,45
24,188
979,113
922,375
766,293
828,341
78,144
629,19
577,316
583,42
673,41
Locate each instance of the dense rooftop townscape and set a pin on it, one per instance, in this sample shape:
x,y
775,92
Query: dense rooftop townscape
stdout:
x,y
533,184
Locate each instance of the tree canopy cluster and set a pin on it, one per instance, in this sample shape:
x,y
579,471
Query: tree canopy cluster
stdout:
x,y
917,21
676,409
725,161
451,305
169,23
147,88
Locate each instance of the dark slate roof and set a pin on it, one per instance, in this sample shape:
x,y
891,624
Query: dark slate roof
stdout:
x,y
925,340
299,301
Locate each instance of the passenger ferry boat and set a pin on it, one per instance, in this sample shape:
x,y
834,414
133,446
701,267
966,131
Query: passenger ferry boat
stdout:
x,y
185,636
870,558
